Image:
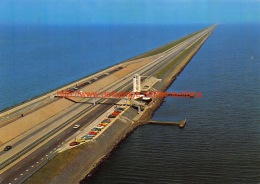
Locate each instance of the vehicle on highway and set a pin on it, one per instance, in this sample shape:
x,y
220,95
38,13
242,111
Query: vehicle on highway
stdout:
x,y
74,143
8,148
76,126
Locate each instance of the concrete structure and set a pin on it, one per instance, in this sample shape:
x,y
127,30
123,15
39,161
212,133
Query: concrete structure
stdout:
x,y
137,83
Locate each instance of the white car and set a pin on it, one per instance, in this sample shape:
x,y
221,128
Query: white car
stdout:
x,y
76,126
99,127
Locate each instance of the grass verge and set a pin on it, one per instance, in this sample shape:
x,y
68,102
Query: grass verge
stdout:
x,y
55,166
162,72
165,47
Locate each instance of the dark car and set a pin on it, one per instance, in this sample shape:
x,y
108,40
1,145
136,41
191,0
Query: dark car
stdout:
x,y
111,116
7,148
95,129
106,121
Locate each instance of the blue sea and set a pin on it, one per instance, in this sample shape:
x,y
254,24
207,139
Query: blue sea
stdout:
x,y
221,142
37,59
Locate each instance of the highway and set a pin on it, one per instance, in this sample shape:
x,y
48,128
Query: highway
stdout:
x,y
33,152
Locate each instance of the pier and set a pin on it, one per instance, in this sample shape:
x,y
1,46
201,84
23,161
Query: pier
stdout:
x,y
181,123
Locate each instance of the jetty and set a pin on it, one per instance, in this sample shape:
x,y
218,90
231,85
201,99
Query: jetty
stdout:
x,y
180,124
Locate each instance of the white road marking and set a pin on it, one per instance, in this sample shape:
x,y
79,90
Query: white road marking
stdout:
x,y
46,147
21,174
32,166
17,168
46,155
41,158
37,162
27,170
15,179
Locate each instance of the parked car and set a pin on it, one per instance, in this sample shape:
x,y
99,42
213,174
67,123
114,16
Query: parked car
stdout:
x,y
74,143
120,109
99,126
92,133
8,148
103,124
106,120
116,112
112,116
87,137
95,129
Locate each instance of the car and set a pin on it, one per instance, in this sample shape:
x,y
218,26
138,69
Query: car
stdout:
x,y
119,109
87,137
8,148
95,129
92,133
106,120
74,143
76,126
103,124
99,126
111,116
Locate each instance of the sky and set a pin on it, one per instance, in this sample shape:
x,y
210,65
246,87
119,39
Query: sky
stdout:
x,y
84,12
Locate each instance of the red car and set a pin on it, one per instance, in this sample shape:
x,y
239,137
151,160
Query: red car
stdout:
x,y
92,133
74,143
102,124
